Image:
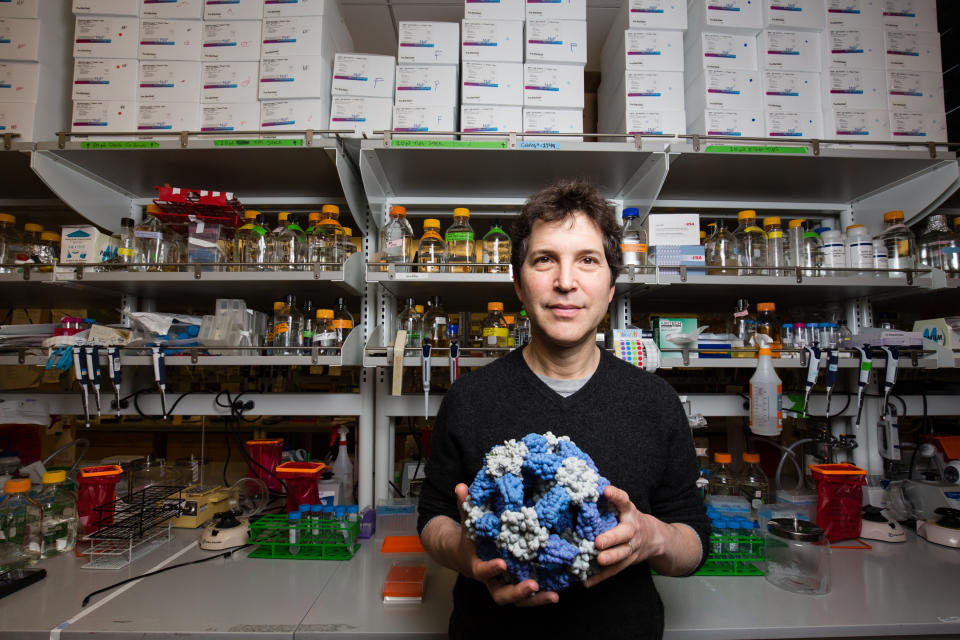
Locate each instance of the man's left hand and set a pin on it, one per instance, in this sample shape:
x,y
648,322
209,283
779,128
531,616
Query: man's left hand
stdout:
x,y
638,537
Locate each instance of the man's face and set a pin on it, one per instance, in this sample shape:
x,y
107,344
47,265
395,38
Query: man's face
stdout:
x,y
564,281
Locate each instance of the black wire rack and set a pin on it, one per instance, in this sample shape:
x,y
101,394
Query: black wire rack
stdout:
x,y
135,515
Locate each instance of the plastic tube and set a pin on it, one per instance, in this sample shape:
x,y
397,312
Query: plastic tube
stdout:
x,y
789,450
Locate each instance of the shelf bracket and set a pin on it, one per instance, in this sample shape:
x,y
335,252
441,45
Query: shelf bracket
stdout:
x,y
184,139
683,273
194,358
799,275
61,139
79,271
308,138
21,356
512,140
685,354
803,358
909,277
815,145
316,270
197,272
7,141
26,272
386,138
696,142
932,148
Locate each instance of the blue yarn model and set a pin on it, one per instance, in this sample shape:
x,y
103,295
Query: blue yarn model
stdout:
x,y
538,504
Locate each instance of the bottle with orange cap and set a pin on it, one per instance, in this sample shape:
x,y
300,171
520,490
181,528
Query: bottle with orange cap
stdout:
x,y
311,238
331,238
397,242
431,249
900,243
794,245
751,244
754,485
287,244
723,482
21,520
60,520
496,333
251,244
461,245
767,325
10,242
158,246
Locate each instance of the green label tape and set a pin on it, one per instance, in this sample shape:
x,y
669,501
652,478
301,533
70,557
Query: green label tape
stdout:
x,y
121,144
449,144
258,143
459,236
722,148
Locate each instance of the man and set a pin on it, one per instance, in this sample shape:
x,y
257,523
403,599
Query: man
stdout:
x,y
565,263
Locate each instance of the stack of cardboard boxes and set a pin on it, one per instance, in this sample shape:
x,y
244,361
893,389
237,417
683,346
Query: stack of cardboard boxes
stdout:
x,y
428,63
19,69
362,93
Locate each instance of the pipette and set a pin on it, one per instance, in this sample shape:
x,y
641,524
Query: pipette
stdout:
x,y
425,367
890,375
866,364
813,371
113,361
93,364
832,373
80,371
452,331
160,377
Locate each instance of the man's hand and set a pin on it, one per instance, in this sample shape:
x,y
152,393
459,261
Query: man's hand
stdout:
x,y
492,573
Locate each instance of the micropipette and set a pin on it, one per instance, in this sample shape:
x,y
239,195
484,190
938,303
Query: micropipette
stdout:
x,y
832,373
113,360
454,360
813,371
890,375
160,377
93,364
80,371
866,364
425,367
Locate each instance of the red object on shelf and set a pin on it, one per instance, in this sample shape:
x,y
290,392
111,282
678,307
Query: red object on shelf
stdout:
x,y
96,486
839,499
301,480
179,206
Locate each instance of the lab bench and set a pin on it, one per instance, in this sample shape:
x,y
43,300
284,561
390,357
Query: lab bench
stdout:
x,y
894,591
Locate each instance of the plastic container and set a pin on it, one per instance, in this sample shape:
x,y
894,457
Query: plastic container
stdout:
x,y
776,246
812,254
633,241
431,249
839,499
459,238
288,244
495,331
301,480
900,243
755,486
766,416
330,234
60,520
834,251
723,482
397,242
265,455
940,247
251,244
10,243
412,323
495,248
768,325
751,244
859,249
794,251
96,486
797,556
20,522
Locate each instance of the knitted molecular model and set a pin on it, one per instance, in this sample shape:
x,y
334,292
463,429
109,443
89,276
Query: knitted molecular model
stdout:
x,y
538,504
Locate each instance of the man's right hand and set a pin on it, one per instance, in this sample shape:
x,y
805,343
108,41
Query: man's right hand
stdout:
x,y
492,573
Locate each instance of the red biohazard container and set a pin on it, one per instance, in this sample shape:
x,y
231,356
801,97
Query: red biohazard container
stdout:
x,y
839,499
265,455
301,480
96,486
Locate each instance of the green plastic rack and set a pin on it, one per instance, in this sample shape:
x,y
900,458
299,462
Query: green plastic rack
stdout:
x,y
318,539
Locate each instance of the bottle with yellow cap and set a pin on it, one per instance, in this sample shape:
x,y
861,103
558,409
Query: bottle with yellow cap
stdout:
x,y
324,335
288,244
430,250
754,485
435,324
60,520
331,238
495,330
900,243
768,326
348,247
251,245
397,242
751,244
766,416
461,246
342,321
776,246
20,522
311,237
157,244
287,321
723,482
495,247
10,242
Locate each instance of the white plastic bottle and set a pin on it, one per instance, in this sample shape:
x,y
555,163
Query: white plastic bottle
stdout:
x,y
766,416
834,251
343,467
859,249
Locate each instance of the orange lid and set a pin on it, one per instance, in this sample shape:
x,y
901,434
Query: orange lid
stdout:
x,y
722,458
766,306
842,469
854,226
277,306
17,485
330,208
494,306
404,581
325,313
949,444
703,234
342,324
764,351
419,309
956,221
510,319
52,236
396,210
401,544
153,209
461,211
771,220
300,469
250,215
283,215
348,231
793,224
751,457
101,471
746,213
33,226
892,215
265,442
431,223
6,217
314,216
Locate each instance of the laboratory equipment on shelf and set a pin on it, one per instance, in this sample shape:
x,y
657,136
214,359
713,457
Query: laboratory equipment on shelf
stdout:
x,y
430,250
495,249
10,243
900,244
859,249
158,246
940,247
397,242
833,250
59,508
495,331
522,329
460,243
797,556
342,321
633,243
720,252
348,247
330,235
776,246
288,244
411,322
435,324
251,244
766,417
751,244
723,482
20,521
343,470
811,254
287,323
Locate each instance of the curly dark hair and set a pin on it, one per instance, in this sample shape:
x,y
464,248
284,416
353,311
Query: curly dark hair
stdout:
x,y
559,200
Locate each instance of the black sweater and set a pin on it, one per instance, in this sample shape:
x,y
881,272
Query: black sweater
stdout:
x,y
633,426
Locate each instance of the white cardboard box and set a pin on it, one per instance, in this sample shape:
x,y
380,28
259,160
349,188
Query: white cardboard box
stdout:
x,y
105,79
640,122
85,244
853,49
19,81
557,41
494,10
424,119
915,125
230,83
106,37
486,118
915,91
795,14
912,50
363,75
309,36
107,7
747,123
710,50
427,85
854,14
174,81
429,43
19,38
646,50
233,10
651,14
103,116
856,124
539,121
294,115
556,10
725,89
555,86
793,91
672,229
361,113
172,9
743,16
790,50
298,8
232,116
18,117
232,40
492,83
295,77
793,124
20,9
854,89
168,116
171,39
492,40
910,15
647,91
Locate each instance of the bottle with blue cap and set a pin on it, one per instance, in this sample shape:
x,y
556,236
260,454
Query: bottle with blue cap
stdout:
x,y
633,241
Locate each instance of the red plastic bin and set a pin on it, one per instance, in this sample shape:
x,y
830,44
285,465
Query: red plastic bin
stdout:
x,y
96,486
301,480
266,456
839,499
